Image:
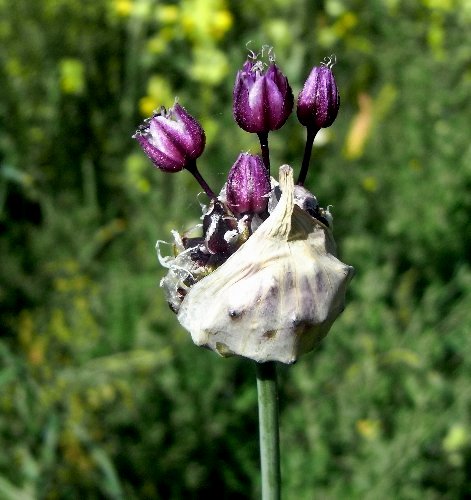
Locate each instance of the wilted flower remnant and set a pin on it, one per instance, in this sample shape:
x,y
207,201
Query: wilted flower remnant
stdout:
x,y
260,278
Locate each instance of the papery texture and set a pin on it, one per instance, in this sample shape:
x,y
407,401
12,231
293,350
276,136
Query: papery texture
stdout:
x,y
277,296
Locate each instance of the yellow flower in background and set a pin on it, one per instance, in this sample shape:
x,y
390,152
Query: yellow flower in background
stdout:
x,y
368,428
72,76
345,23
204,20
157,45
370,112
33,345
14,67
221,24
370,184
168,14
158,87
211,128
457,438
279,32
405,356
443,5
342,28
147,105
455,444
123,7
436,35
415,165
158,93
334,8
210,65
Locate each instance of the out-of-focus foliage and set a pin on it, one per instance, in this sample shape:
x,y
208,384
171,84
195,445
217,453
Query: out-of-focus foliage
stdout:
x,y
102,395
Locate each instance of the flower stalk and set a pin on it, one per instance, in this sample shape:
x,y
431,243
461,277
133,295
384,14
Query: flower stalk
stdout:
x,y
192,168
317,107
269,430
263,138
260,279
310,136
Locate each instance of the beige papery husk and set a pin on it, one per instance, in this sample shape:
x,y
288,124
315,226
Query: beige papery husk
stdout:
x,y
277,296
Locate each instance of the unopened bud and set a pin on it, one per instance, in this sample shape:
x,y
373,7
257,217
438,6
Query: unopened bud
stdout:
x,y
263,98
319,100
248,185
171,139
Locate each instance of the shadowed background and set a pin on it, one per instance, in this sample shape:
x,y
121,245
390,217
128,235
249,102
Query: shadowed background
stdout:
x,y
102,393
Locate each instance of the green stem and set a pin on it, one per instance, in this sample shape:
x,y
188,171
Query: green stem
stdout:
x,y
269,432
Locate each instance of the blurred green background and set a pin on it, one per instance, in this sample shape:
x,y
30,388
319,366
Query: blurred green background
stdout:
x,y
102,393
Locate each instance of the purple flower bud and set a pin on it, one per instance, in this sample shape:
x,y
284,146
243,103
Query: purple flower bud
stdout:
x,y
248,185
171,139
319,100
263,99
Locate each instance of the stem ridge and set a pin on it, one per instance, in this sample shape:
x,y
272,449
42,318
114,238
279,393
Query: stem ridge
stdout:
x,y
269,430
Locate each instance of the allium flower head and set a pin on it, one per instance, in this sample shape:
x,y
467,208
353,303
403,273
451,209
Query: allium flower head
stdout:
x,y
248,185
258,277
263,98
171,139
319,100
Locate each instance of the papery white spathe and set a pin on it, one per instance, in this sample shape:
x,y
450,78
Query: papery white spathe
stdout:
x,y
277,296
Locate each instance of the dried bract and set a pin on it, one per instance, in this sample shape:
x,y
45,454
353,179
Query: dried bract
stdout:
x,y
277,296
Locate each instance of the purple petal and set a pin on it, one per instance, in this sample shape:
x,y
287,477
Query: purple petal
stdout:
x,y
262,100
281,81
248,185
319,100
171,139
241,109
164,135
160,160
192,138
266,104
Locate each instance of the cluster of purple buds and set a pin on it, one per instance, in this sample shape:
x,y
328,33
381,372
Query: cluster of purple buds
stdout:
x,y
262,103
